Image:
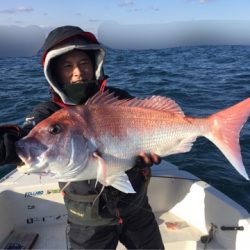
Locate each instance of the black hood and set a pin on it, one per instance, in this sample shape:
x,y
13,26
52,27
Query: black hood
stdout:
x,y
64,39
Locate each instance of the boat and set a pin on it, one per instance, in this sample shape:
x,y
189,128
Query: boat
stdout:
x,y
191,213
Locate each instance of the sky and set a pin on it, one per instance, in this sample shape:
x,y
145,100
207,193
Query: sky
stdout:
x,y
89,14
126,24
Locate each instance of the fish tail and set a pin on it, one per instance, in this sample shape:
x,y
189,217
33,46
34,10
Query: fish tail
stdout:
x,y
225,131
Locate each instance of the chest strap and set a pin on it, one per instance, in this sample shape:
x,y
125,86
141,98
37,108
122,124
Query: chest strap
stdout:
x,y
89,198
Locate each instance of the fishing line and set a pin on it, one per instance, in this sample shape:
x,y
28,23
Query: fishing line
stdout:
x,y
98,195
66,185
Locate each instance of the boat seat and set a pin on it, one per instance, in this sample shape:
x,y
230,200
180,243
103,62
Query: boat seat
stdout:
x,y
20,240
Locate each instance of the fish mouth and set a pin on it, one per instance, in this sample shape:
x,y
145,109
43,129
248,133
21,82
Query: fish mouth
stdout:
x,y
27,168
30,165
42,160
31,156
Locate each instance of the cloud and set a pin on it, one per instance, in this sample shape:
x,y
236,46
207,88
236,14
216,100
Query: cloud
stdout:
x,y
200,1
144,9
18,22
17,10
155,8
175,34
126,3
135,9
94,20
20,41
46,29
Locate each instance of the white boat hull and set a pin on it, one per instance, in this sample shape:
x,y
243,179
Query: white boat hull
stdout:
x,y
187,209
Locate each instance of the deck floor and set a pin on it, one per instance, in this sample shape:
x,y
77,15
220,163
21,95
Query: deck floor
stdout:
x,y
176,234
50,236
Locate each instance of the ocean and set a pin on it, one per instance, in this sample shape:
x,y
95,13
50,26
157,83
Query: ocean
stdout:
x,y
202,80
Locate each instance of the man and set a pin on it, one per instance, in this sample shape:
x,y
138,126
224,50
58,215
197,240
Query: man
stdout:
x,y
73,62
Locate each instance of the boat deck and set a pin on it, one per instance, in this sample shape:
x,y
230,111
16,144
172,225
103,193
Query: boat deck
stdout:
x,y
185,209
176,234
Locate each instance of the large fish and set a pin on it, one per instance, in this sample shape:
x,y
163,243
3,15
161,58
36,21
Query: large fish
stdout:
x,y
101,139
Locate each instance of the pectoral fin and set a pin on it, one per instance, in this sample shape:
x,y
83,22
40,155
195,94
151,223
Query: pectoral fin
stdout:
x,y
121,182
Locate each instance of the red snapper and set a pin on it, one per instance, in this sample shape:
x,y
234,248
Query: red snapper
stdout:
x,y
102,138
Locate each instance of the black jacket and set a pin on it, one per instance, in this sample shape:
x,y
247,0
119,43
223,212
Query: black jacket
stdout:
x,y
112,203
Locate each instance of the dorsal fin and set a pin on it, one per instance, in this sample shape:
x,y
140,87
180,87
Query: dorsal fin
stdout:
x,y
153,102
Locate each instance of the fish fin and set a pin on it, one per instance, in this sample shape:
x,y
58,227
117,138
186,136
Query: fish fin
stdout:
x,y
157,103
101,169
102,98
225,130
160,103
183,146
121,182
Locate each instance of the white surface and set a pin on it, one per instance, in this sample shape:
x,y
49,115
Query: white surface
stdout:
x,y
178,199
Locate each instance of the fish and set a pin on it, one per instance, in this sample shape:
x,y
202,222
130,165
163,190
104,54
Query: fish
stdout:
x,y
102,138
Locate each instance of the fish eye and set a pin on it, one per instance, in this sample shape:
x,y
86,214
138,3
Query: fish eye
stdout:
x,y
55,129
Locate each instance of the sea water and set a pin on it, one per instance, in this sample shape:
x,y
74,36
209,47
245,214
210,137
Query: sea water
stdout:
x,y
202,80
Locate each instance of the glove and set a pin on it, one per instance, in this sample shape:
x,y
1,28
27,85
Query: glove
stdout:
x,y
147,160
9,134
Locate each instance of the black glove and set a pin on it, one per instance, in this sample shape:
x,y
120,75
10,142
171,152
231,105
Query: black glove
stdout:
x,y
144,160
9,134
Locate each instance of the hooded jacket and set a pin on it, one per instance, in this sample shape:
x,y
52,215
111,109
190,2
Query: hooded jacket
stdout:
x,y
79,196
65,39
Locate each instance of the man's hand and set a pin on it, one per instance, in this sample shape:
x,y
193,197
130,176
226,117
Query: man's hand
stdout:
x,y
147,160
9,134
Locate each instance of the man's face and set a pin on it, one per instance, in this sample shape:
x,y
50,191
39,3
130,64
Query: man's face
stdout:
x,y
74,67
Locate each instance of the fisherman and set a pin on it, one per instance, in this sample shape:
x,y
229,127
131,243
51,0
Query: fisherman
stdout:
x,y
73,66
